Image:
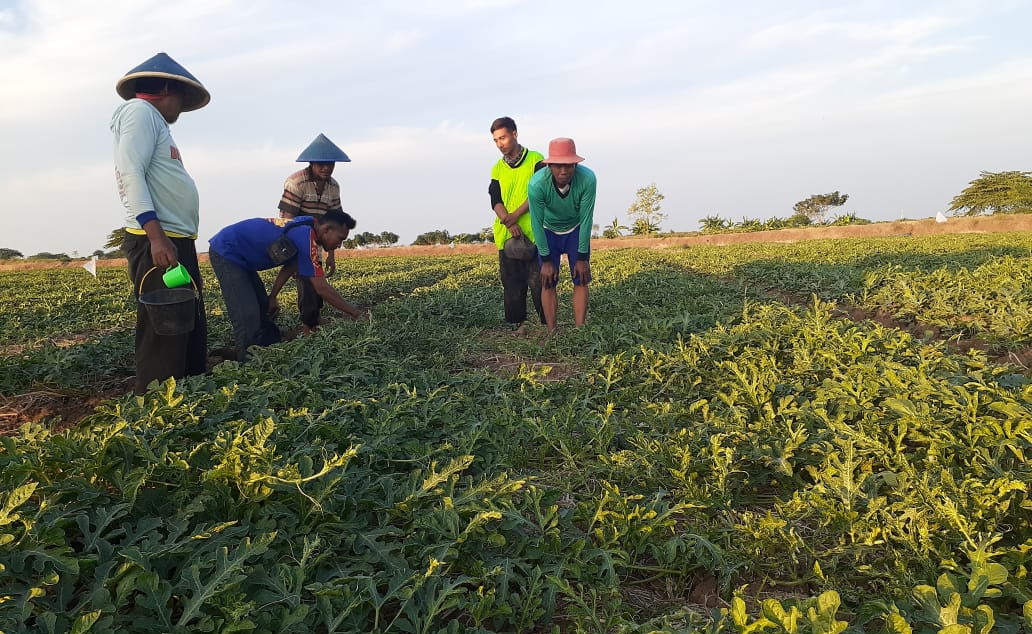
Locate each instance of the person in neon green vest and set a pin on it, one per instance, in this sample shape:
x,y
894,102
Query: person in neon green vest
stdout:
x,y
518,264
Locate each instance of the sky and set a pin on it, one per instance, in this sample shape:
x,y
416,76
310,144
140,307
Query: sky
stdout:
x,y
732,109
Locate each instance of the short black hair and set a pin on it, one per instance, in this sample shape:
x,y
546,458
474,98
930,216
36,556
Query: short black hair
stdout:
x,y
503,122
338,217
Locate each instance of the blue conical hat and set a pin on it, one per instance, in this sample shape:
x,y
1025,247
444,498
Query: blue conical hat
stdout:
x,y
162,66
322,150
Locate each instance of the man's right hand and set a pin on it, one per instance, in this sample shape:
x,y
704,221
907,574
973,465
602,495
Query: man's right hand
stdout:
x,y
549,274
515,231
163,252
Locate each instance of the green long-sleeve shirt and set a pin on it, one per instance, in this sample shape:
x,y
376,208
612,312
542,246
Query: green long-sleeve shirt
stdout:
x,y
551,210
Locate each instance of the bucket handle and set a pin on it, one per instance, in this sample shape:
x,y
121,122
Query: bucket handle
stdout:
x,y
154,268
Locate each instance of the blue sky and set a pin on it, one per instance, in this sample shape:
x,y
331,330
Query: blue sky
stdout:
x,y
734,109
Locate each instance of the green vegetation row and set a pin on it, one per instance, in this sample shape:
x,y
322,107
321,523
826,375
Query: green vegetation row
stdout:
x,y
817,474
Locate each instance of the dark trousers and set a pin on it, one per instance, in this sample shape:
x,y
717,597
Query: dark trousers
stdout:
x,y
309,304
517,277
247,305
159,357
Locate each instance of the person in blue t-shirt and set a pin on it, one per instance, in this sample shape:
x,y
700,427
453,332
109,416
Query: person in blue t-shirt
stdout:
x,y
240,250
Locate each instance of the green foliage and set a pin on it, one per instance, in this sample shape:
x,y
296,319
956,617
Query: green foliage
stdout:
x,y
614,230
645,212
715,224
470,238
849,219
369,239
995,192
816,206
115,239
9,254
825,475
439,236
47,255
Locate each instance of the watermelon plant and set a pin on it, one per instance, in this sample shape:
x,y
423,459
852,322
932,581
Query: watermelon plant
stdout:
x,y
703,457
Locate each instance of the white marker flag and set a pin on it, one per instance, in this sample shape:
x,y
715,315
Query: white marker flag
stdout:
x,y
939,217
91,266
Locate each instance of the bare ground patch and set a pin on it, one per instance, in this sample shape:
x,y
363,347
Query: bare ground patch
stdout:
x,y
63,341
64,408
504,364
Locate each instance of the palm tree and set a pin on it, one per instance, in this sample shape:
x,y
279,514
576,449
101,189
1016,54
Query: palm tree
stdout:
x,y
614,230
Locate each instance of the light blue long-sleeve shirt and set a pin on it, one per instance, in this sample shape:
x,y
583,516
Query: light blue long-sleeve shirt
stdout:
x,y
150,173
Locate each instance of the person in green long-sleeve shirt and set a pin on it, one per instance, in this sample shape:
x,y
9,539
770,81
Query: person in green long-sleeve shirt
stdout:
x,y
562,209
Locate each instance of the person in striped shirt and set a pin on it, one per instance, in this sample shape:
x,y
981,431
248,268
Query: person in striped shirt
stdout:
x,y
313,192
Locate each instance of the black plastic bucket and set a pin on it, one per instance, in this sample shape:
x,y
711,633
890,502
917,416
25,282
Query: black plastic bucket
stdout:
x,y
172,311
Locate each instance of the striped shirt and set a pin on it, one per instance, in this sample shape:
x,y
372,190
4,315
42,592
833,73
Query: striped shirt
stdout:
x,y
302,198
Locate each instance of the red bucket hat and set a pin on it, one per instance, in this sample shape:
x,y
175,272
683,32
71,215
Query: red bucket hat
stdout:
x,y
562,151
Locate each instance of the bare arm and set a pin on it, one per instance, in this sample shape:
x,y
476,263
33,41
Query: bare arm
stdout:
x,y
285,273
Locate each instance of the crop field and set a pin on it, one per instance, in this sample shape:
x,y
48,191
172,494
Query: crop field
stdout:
x,y
821,437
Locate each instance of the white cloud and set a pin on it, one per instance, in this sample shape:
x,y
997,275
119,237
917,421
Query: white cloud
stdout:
x,y
729,112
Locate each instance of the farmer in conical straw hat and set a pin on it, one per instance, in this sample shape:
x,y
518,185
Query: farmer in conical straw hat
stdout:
x,y
562,208
312,192
161,203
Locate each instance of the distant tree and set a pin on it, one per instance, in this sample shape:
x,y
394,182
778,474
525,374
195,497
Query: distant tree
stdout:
x,y
614,230
388,238
115,238
799,220
367,239
487,234
438,236
995,192
469,238
46,255
98,253
846,220
816,207
645,211
714,224
749,225
595,230
9,254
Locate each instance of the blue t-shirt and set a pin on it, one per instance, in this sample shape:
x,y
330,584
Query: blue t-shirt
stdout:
x,y
246,243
